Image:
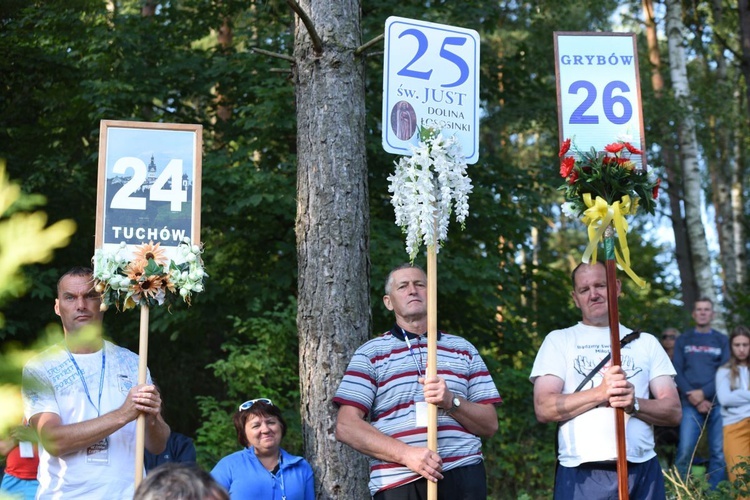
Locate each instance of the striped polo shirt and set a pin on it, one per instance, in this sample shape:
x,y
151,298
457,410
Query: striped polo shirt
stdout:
x,y
381,380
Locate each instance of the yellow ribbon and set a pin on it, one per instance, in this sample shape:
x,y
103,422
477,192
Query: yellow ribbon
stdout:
x,y
598,217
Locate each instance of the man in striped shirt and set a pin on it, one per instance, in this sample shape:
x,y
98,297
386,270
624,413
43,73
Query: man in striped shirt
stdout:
x,y
382,403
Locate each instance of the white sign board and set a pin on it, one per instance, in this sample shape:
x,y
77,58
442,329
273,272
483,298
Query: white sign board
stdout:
x,y
430,80
149,184
599,91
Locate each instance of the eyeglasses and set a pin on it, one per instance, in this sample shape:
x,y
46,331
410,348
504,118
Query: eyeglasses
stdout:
x,y
248,404
668,337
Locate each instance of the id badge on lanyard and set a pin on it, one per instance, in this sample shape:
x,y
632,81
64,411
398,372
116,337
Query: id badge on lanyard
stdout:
x,y
420,405
98,453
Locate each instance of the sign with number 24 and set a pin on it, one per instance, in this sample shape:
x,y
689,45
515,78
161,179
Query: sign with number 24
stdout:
x,y
149,184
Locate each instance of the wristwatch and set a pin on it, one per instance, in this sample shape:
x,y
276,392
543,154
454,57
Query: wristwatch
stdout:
x,y
456,405
636,407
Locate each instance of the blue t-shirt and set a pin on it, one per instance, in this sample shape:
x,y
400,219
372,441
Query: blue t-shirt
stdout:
x,y
697,357
243,476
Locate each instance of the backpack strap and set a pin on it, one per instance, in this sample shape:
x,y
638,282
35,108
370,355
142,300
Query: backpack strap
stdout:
x,y
625,341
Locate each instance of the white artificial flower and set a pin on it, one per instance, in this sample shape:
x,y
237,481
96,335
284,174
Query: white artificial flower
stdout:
x,y
185,273
426,188
569,209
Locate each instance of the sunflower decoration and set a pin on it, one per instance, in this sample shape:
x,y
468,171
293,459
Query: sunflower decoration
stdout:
x,y
150,278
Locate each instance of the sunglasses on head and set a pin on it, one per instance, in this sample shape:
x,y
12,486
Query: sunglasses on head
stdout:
x,y
248,404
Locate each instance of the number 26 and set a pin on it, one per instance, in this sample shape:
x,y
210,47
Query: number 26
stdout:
x,y
579,116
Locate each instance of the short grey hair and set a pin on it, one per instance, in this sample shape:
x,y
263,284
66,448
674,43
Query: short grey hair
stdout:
x,y
389,279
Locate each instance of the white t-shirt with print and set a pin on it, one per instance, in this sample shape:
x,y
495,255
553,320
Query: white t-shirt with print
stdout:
x,y
52,384
570,355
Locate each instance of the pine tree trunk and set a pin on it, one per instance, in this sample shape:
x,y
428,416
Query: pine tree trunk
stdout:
x,y
332,228
688,147
737,184
743,8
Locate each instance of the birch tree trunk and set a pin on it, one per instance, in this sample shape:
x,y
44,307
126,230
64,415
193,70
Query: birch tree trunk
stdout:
x,y
688,284
332,229
688,145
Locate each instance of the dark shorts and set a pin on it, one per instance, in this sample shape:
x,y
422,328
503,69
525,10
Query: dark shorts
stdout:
x,y
462,483
598,481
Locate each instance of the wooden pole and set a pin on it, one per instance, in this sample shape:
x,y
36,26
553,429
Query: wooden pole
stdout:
x,y
432,410
140,424
614,339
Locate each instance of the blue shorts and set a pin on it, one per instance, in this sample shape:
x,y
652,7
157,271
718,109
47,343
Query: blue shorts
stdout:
x,y
18,488
598,481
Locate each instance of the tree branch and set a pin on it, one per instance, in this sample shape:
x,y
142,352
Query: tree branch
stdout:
x,y
369,44
316,41
273,54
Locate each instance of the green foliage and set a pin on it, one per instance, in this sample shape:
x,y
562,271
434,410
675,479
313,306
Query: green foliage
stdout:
x,y
25,237
503,281
260,361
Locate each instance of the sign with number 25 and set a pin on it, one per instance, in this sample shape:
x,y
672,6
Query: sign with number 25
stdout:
x,y
149,184
598,90
430,80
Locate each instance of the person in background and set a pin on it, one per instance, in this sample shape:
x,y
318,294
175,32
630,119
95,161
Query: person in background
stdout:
x,y
180,449
733,393
666,438
263,469
82,397
383,399
179,481
668,337
21,464
576,385
698,354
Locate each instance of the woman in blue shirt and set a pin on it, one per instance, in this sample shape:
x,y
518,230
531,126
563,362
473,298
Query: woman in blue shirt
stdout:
x,y
263,469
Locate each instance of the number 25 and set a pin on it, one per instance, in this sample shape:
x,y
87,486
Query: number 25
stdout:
x,y
446,54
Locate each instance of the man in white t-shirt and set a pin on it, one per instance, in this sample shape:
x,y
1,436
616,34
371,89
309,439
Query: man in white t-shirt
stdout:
x,y
587,443
82,397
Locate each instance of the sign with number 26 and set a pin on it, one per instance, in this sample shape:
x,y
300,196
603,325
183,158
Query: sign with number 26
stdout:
x,y
598,90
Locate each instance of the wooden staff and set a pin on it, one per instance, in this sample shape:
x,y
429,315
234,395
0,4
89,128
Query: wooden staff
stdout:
x,y
140,423
432,410
614,339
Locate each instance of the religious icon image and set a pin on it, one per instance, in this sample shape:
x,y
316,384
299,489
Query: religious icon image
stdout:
x,y
403,120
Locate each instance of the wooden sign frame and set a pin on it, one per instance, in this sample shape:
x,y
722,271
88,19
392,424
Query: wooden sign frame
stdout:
x,y
137,202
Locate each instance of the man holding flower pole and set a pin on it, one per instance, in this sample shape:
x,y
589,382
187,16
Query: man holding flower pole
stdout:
x,y
383,400
82,398
576,385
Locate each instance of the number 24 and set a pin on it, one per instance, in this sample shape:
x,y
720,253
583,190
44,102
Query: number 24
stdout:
x,y
124,199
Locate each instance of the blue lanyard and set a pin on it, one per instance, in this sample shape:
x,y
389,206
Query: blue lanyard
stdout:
x,y
83,379
416,363
280,476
